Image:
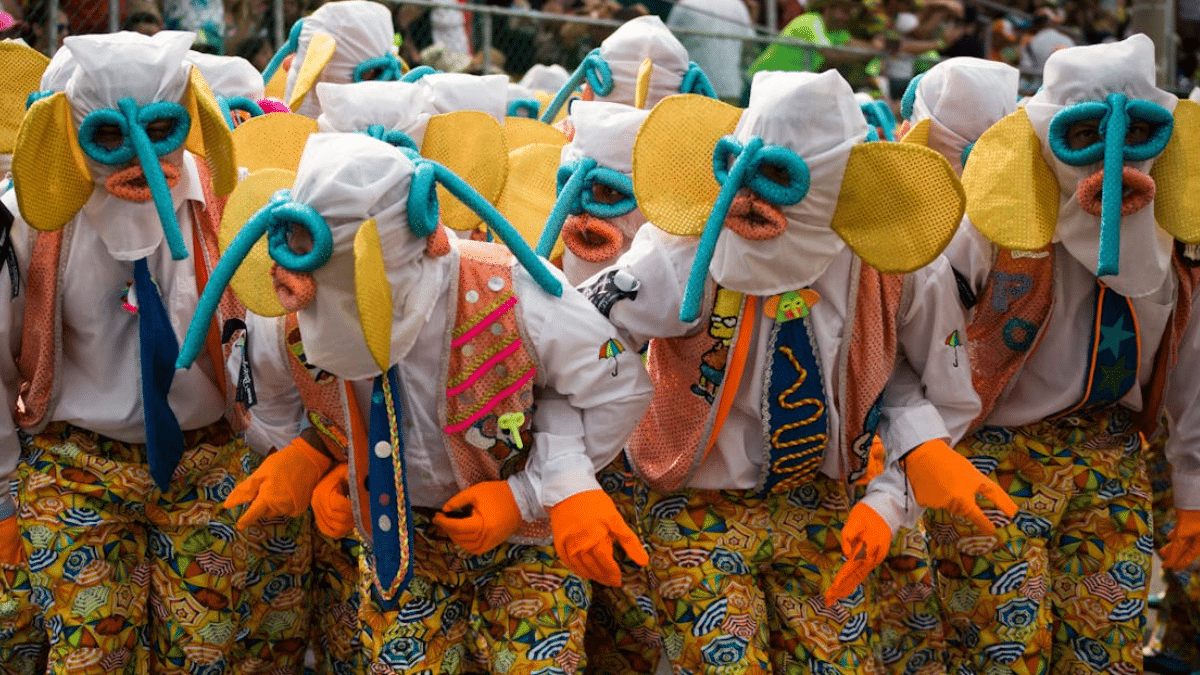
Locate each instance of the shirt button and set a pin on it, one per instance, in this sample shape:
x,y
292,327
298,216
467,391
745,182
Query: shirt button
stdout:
x,y
496,284
472,296
385,523
383,450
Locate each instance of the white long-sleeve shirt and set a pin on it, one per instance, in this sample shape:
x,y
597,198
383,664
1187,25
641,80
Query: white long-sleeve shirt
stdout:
x,y
583,411
1052,378
928,397
100,372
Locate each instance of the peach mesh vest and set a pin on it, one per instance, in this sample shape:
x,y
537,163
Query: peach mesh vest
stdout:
x,y
670,441
41,336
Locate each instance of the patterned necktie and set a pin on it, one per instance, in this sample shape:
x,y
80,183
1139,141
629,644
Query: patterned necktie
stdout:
x,y
1115,351
159,348
391,518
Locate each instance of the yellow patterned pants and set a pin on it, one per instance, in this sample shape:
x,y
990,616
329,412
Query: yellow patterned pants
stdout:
x,y
23,647
335,631
739,579
1062,588
911,640
130,579
515,610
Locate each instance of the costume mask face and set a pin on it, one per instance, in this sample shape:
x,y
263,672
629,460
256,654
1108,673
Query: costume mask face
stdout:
x,y
776,192
1113,167
352,242
137,106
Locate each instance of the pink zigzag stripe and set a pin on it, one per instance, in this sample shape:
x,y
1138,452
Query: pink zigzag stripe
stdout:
x,y
484,367
455,428
487,320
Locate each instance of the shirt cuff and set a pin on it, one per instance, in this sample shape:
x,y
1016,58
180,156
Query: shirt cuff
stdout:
x,y
1186,487
526,497
903,429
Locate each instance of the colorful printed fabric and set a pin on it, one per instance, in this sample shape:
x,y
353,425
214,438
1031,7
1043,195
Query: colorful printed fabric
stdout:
x,y
335,633
130,578
911,639
738,582
1177,635
514,610
1062,588
23,647
274,611
622,635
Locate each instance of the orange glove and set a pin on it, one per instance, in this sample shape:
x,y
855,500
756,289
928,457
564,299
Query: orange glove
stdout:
x,y
12,552
491,516
282,485
866,539
943,479
1184,541
585,526
331,503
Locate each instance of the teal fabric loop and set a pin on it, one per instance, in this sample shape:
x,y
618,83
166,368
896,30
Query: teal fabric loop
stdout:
x,y
288,47
872,135
244,104
393,137
966,153
417,73
87,134
388,66
288,214
423,210
910,97
536,267
1162,125
879,114
524,107
696,82
570,178
614,180
1060,126
35,96
595,71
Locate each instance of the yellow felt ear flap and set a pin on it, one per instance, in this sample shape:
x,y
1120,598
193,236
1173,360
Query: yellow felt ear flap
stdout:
x,y
471,144
1176,174
373,294
316,57
272,141
522,131
672,161
49,173
22,68
277,86
544,100
642,88
1012,194
918,134
209,136
252,282
899,206
528,196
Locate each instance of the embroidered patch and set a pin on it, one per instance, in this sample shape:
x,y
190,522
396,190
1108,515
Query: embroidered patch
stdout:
x,y
610,350
512,423
791,305
1018,334
954,341
1009,287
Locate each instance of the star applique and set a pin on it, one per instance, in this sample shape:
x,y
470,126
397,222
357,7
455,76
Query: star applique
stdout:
x,y
1113,376
1111,337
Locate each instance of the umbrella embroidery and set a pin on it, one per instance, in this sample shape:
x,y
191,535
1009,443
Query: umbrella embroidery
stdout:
x,y
609,350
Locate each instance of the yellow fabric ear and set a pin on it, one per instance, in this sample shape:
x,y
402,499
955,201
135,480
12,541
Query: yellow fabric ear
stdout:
x,y
528,195
918,134
320,51
209,136
22,68
277,86
1176,174
522,131
252,282
1012,194
49,173
471,144
899,206
373,294
272,141
672,161
642,90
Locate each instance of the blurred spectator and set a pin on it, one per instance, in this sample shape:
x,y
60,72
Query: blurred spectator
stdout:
x,y
826,25
205,18
1187,27
912,31
720,58
1045,39
35,26
450,28
143,22
256,50
969,43
1006,41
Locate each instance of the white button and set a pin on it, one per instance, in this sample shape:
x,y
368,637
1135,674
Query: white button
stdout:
x,y
497,329
383,450
472,296
385,523
468,350
496,283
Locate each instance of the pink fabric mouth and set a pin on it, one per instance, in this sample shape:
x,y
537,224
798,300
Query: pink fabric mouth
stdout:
x,y
591,239
295,290
752,217
1137,191
131,184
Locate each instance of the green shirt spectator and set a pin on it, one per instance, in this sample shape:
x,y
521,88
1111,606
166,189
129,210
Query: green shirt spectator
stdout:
x,y
809,27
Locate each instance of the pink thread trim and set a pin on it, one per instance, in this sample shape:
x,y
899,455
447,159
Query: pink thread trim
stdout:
x,y
486,366
455,428
487,321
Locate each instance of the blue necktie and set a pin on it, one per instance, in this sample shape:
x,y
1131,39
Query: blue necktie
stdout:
x,y
159,349
391,520
795,416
